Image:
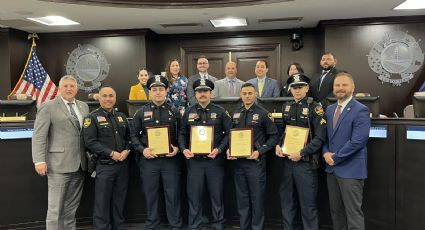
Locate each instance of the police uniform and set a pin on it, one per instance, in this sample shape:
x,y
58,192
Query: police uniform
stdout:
x,y
300,182
202,169
162,167
250,175
105,132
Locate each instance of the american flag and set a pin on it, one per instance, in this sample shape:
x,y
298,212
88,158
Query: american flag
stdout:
x,y
35,81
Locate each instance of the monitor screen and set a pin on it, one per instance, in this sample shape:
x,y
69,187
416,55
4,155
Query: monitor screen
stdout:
x,y
371,102
415,132
378,131
7,133
419,106
274,104
134,105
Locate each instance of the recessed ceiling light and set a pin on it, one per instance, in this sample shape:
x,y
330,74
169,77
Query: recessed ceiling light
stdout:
x,y
228,22
54,21
411,5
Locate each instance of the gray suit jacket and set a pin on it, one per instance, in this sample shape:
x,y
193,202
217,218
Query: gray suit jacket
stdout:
x,y
190,92
222,89
270,88
57,139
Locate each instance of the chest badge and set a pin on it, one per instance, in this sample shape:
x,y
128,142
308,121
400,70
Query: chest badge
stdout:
x,y
213,115
305,111
255,117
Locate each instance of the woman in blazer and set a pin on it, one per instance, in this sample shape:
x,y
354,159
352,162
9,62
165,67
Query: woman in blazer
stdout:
x,y
140,91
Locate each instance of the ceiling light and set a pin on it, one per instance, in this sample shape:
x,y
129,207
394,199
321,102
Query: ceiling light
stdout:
x,y
411,5
229,22
54,21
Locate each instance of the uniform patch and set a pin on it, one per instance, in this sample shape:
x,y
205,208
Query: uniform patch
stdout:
x,y
87,122
147,114
101,119
305,111
319,110
120,119
236,115
323,121
213,115
287,108
193,115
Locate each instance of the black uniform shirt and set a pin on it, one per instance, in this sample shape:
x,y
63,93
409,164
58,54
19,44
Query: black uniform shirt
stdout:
x,y
307,115
265,131
213,115
105,132
151,115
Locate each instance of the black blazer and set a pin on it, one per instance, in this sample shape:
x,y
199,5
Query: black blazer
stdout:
x,y
327,86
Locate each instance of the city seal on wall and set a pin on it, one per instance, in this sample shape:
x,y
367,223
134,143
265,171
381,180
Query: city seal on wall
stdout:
x,y
396,57
88,64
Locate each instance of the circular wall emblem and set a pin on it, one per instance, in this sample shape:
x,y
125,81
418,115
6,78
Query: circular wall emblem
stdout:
x,y
88,64
396,58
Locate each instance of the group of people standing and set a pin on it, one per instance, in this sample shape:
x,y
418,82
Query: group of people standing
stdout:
x,y
337,136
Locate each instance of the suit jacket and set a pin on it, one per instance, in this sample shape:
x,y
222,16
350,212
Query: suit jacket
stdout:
x,y
348,140
190,92
270,88
326,90
57,138
222,89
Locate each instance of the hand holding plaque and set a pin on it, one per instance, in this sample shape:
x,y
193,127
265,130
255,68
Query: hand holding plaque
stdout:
x,y
294,140
159,140
201,139
241,143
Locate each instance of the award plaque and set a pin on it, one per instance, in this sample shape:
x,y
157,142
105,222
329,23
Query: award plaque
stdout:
x,y
159,139
241,142
294,140
201,139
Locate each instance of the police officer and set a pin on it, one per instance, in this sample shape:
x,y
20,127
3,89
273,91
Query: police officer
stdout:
x,y
208,169
155,167
299,169
250,172
107,134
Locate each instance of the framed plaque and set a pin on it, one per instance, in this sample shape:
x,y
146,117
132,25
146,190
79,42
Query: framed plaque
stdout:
x,y
201,139
294,140
159,140
241,142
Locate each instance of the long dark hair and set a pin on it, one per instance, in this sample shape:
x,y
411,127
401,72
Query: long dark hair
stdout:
x,y
297,65
169,75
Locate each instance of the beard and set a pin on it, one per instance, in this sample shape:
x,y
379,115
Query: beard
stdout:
x,y
327,67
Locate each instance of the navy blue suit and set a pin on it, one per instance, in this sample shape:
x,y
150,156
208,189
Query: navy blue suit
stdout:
x,y
346,177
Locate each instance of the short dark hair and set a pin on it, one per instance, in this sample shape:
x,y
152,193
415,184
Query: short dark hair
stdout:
x,y
247,84
297,65
202,56
329,53
265,62
344,73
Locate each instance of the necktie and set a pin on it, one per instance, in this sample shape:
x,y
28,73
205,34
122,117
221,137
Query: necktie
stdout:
x,y
74,114
322,78
336,116
232,88
260,87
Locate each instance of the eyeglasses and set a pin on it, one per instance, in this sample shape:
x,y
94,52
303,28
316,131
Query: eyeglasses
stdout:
x,y
202,63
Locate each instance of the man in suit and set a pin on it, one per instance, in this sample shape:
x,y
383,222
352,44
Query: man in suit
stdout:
x,y
321,86
58,152
265,86
230,86
202,65
345,153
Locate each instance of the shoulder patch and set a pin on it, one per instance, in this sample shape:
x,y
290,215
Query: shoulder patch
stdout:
x,y
319,110
87,122
227,113
322,121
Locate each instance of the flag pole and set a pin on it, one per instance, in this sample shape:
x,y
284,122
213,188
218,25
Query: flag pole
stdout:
x,y
32,36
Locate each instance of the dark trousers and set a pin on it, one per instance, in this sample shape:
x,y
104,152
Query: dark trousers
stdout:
x,y
111,184
201,170
299,181
153,172
250,183
345,196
